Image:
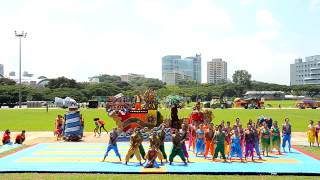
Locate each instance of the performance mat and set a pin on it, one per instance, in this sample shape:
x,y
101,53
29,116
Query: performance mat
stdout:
x,y
86,158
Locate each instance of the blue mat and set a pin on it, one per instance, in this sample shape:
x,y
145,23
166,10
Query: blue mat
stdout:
x,y
86,157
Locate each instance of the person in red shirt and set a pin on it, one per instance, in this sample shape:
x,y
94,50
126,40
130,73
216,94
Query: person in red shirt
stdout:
x,y
101,125
21,137
6,137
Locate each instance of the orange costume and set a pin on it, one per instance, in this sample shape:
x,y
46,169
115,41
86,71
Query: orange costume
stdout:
x,y
209,144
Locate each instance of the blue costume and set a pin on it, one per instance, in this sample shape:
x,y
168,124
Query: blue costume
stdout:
x,y
236,147
200,142
113,144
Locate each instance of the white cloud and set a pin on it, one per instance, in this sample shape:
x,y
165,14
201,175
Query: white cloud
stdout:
x,y
315,4
264,19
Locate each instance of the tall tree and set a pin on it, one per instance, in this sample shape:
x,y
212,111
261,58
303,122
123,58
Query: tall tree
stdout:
x,y
62,82
242,77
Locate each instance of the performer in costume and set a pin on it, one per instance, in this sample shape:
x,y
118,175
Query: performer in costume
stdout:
x,y
101,125
311,133
209,141
275,137
176,147
134,147
317,133
219,138
265,139
286,135
96,129
256,134
227,141
192,136
162,137
155,145
174,117
184,135
59,123
20,138
141,149
151,157
235,145
200,140
249,142
242,137
113,144
6,137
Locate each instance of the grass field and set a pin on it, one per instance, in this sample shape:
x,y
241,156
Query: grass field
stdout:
x,y
40,120
283,103
314,150
33,176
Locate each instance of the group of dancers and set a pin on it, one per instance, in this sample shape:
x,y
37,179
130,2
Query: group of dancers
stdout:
x,y
313,133
204,138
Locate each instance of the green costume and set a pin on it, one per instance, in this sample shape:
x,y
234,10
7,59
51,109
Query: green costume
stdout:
x,y
162,136
276,140
176,148
219,138
141,149
265,139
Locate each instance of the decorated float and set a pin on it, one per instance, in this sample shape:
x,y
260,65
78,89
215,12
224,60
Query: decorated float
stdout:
x,y
200,115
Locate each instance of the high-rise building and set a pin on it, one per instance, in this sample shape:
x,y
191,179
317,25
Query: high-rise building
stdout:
x,y
175,69
131,77
12,73
1,70
305,72
216,71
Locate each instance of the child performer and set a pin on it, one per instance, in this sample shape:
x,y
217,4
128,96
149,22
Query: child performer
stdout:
x,y
59,123
176,148
265,139
311,133
134,147
249,142
200,141
209,141
151,157
256,134
286,135
155,144
275,137
235,145
96,129
192,136
219,138
113,144
162,137
317,133
184,135
101,125
6,137
20,138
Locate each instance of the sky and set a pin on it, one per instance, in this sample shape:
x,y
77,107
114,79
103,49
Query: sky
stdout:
x,y
82,38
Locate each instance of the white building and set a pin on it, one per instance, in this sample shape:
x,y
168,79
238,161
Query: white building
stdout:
x,y
172,78
216,71
305,72
131,77
1,70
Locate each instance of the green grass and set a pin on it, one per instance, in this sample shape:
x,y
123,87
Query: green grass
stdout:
x,y
283,103
145,176
40,120
313,150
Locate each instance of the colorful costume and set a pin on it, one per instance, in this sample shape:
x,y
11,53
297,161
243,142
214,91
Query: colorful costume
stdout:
x,y
151,157
162,137
311,134
176,148
249,139
155,143
265,140
113,144
134,147
256,142
235,147
184,135
20,138
286,134
6,138
275,138
141,149
192,137
227,141
317,134
200,142
219,138
209,142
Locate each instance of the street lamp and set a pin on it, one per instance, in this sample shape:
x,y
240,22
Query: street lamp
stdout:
x,y
20,35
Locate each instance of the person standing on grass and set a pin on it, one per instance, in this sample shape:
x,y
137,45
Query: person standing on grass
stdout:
x,y
275,137
200,141
311,133
6,139
59,124
286,135
317,133
134,147
113,144
227,141
219,138
96,129
184,135
20,138
249,141
192,136
101,125
256,134
265,139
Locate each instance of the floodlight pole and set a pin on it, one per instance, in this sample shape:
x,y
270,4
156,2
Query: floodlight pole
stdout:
x,y
21,35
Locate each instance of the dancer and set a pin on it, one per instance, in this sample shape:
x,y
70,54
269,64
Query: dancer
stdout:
x,y
275,137
96,129
184,135
200,141
134,147
265,139
176,147
162,137
20,138
141,149
317,133
249,142
151,157
219,138
242,137
101,125
235,145
227,141
311,133
286,135
155,145
256,134
192,136
113,144
6,137
209,141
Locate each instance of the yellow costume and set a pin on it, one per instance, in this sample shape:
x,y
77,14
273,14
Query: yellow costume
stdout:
x,y
134,147
311,134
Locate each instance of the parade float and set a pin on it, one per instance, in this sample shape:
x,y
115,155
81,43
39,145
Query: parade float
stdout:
x,y
73,126
200,115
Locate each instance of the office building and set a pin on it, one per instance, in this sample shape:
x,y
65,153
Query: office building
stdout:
x,y
131,77
175,69
305,72
216,71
